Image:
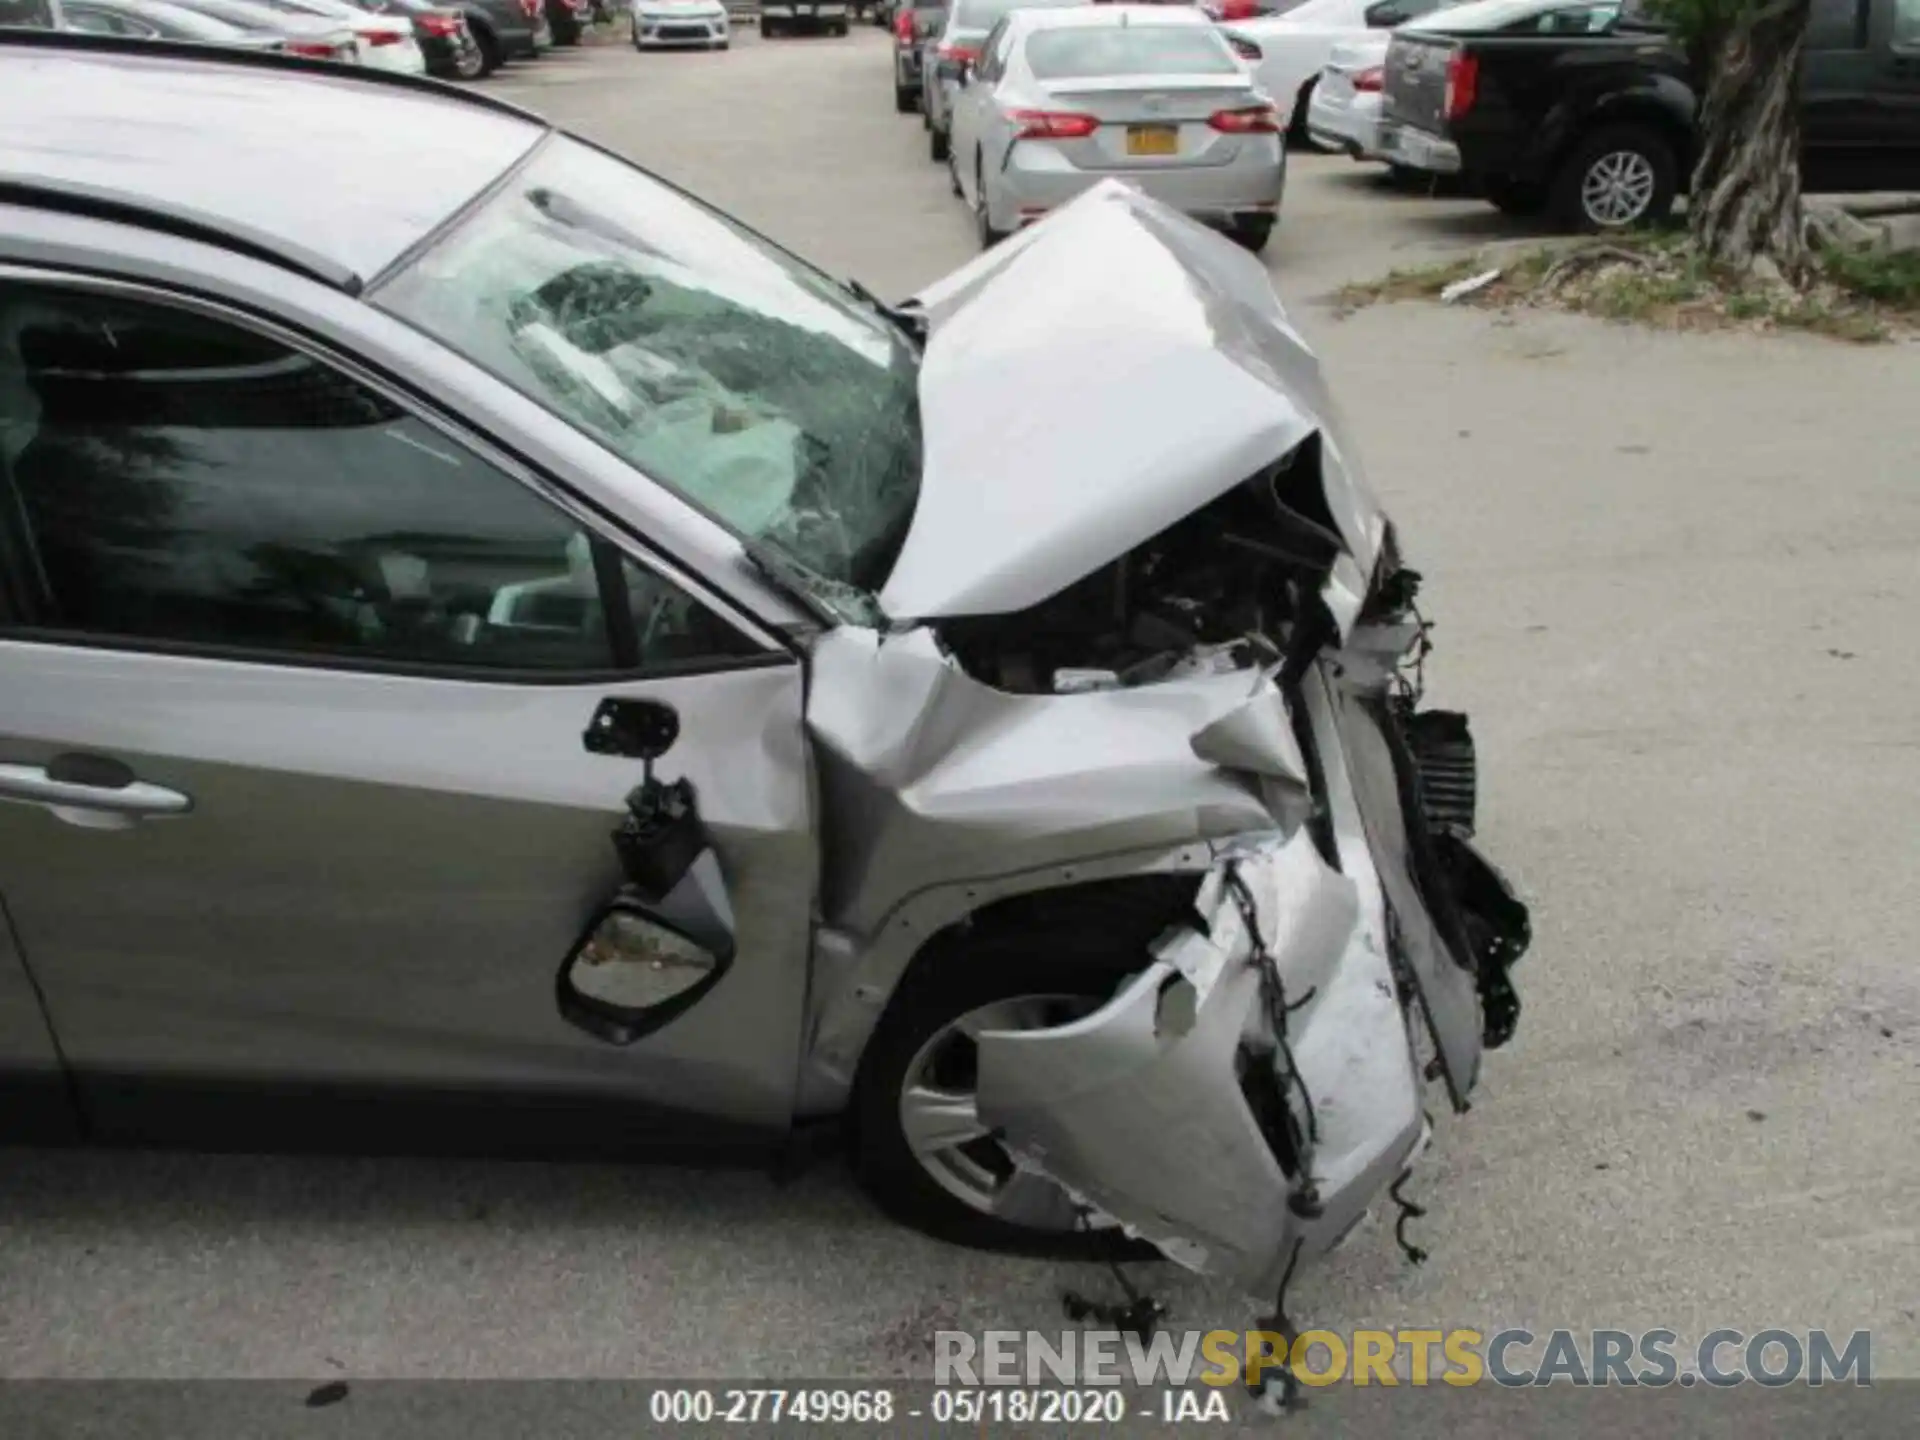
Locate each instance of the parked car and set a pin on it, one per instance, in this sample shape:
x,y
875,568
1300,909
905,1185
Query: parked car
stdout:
x,y
1587,113
1153,95
951,48
1343,109
1295,46
158,20
569,20
312,37
509,29
666,24
442,32
384,42
913,23
793,17
1039,798
1227,11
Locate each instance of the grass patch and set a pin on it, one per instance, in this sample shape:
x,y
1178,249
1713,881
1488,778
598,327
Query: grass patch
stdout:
x,y
1656,278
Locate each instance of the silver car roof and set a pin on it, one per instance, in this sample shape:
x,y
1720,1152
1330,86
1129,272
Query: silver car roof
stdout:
x,y
325,168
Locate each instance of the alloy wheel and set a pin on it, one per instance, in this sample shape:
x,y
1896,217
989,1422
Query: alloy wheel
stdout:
x,y
1617,188
940,1115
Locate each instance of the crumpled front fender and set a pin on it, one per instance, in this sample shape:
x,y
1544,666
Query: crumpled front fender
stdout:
x,y
1140,1108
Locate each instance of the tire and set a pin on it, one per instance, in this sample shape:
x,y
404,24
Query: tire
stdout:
x,y
840,30
939,146
491,56
1515,197
941,988
770,28
471,66
982,217
1297,135
1606,172
1254,232
904,100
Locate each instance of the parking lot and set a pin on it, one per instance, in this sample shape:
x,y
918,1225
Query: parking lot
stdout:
x,y
1675,579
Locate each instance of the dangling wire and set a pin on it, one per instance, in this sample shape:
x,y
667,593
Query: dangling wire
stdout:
x,y
1138,1316
1408,1211
1274,990
1290,1398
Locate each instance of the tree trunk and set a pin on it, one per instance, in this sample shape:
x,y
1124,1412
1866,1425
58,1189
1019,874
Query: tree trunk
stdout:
x,y
1745,202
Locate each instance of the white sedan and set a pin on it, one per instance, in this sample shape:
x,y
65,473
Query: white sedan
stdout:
x,y
380,42
1343,112
664,24
1295,47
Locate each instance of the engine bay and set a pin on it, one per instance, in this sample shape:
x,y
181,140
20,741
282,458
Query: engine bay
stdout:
x,y
1219,590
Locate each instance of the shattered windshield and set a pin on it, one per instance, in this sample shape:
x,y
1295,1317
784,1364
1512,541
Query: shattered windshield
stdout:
x,y
718,365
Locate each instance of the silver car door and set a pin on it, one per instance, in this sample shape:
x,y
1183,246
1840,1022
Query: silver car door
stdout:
x,y
291,724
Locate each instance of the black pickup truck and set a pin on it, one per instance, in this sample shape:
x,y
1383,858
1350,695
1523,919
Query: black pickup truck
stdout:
x,y
1586,111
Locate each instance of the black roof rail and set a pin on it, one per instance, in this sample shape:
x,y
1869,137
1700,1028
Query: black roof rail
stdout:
x,y
88,42
180,221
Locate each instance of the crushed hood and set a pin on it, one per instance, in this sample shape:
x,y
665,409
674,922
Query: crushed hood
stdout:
x,y
1087,384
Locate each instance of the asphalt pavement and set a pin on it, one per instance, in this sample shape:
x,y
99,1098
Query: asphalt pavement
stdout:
x,y
1674,580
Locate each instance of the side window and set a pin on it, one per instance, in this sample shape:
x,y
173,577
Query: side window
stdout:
x,y
1906,24
1838,25
95,22
167,477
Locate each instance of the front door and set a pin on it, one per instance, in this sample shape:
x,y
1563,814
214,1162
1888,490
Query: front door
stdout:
x,y
296,822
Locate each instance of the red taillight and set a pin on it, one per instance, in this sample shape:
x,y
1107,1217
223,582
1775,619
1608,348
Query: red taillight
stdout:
x,y
443,25
1052,125
1238,9
962,54
1371,80
1463,82
903,25
313,49
1254,120
384,37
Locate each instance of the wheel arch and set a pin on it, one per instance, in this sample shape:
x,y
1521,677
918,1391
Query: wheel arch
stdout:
x,y
1641,109
1121,903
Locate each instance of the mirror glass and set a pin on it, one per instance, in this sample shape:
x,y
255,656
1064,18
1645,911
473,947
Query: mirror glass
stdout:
x,y
633,962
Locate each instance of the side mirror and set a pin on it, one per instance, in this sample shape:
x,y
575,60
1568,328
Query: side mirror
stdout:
x,y
641,963
1244,48
1385,15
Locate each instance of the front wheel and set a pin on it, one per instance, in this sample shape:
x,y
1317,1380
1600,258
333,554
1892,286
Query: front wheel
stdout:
x,y
471,63
1254,232
920,1149
938,146
983,214
903,99
1616,178
770,28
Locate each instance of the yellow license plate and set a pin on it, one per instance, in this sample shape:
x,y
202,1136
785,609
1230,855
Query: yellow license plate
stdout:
x,y
1153,140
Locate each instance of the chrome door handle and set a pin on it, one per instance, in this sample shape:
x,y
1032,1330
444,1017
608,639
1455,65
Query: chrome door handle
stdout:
x,y
90,791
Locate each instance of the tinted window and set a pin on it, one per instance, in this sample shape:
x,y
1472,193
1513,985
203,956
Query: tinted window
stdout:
x,y
172,478
1086,52
1837,25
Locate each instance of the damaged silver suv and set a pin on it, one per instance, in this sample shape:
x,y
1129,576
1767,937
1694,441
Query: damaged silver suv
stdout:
x,y
497,656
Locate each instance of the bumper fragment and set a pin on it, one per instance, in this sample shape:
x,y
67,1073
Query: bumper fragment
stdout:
x,y
1245,1097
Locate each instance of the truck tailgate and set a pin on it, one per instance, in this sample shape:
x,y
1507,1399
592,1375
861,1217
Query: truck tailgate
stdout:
x,y
1416,81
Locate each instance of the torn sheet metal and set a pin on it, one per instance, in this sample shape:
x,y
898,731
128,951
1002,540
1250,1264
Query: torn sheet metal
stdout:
x,y
1162,1060
1088,384
931,777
